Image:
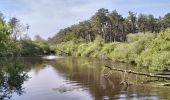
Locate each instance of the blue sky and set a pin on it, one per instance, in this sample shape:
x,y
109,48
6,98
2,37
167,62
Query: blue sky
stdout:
x,y
47,17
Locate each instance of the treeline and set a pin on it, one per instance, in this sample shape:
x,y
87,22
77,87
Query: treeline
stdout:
x,y
15,42
112,26
140,39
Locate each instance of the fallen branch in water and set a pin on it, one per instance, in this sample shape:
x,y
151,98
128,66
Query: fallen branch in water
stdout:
x,y
139,73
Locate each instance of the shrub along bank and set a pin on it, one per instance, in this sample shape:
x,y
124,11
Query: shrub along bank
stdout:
x,y
147,50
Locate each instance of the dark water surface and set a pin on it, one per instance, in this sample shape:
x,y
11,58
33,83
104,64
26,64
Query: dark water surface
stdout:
x,y
73,79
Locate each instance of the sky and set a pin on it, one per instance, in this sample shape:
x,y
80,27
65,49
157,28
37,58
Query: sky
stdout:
x,y
47,17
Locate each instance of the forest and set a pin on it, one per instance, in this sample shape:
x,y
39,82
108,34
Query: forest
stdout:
x,y
112,27
140,39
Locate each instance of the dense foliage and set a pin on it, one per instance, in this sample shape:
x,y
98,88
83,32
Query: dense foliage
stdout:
x,y
135,39
142,49
143,40
14,42
111,26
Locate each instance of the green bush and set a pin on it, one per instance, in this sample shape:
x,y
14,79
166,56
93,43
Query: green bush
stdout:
x,y
82,48
109,47
157,55
127,52
143,49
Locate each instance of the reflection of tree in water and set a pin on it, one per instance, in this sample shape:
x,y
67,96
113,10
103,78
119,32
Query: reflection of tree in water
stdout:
x,y
12,77
84,73
102,83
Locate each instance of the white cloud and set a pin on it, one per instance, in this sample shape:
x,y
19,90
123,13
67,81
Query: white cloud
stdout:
x,y
47,17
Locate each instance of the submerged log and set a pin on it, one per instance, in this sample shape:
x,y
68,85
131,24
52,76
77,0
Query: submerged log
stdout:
x,y
139,73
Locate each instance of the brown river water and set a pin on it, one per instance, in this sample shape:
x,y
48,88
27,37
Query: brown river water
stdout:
x,y
71,78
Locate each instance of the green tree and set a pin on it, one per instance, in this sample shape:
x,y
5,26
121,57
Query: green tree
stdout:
x,y
4,37
132,19
100,20
166,20
151,23
142,23
116,26
16,28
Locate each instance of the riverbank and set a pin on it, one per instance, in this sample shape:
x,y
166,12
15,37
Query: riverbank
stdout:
x,y
145,50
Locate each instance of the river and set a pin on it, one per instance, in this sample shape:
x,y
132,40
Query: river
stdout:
x,y
73,78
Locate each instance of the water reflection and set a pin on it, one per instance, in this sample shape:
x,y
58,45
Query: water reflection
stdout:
x,y
80,79
89,74
12,76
